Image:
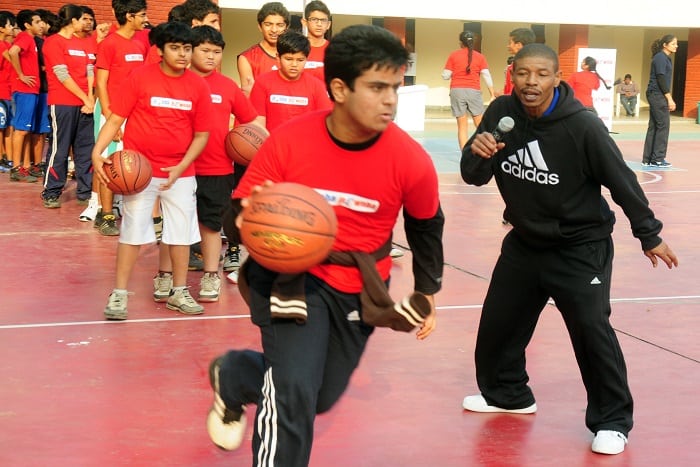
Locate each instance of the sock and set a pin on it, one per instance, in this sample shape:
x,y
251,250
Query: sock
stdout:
x,y
120,291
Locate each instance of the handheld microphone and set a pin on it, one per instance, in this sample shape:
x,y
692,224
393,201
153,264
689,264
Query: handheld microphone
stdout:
x,y
505,124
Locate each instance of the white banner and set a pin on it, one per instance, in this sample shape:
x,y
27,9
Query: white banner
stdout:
x,y
603,99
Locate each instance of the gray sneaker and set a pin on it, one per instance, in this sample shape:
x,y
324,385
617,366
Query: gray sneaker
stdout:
x,y
181,300
209,287
116,306
109,227
52,203
232,260
162,283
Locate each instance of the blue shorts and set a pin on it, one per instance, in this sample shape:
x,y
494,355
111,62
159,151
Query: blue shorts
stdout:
x,y
41,116
5,113
25,108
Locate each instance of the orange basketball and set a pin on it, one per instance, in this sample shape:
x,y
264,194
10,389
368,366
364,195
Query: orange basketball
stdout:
x,y
129,173
243,142
288,228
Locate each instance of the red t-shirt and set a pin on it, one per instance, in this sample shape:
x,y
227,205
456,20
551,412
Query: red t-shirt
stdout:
x,y
227,98
457,64
508,85
314,62
260,61
29,61
163,113
584,83
367,188
6,73
119,56
58,50
280,100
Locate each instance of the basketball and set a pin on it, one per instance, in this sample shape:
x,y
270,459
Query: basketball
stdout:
x,y
243,142
288,228
129,173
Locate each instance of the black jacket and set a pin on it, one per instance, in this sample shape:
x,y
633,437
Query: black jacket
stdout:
x,y
551,171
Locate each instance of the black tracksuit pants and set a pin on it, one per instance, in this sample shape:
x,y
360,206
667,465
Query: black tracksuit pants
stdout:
x,y
577,278
303,370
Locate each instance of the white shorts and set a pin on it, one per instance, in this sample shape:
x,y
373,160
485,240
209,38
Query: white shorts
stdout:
x,y
179,206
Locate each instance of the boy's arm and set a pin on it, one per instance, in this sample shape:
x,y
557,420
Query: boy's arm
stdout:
x,y
245,73
101,77
107,132
13,53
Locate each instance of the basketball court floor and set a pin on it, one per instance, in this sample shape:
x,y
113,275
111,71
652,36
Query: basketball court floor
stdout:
x,y
79,391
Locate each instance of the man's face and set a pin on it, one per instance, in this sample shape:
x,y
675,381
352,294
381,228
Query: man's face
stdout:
x,y
271,27
206,57
317,24
534,80
7,29
291,65
212,19
513,47
176,57
88,22
37,26
139,20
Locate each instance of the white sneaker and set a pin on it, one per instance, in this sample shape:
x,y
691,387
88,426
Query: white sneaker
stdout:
x,y
116,306
209,287
396,253
225,427
609,442
90,212
233,277
477,403
181,300
162,283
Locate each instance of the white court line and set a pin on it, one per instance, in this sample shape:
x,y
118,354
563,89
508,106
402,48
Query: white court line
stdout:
x,y
202,318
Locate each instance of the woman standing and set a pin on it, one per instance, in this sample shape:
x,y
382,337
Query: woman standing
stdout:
x,y
71,102
661,102
586,81
465,67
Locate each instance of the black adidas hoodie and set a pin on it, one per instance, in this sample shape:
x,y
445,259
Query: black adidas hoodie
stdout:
x,y
550,174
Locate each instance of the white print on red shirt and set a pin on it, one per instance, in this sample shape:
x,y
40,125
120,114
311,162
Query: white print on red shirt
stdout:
x,y
76,53
288,100
349,201
169,103
133,57
216,99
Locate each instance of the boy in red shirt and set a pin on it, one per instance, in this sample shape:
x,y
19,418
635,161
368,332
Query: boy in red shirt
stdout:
x,y
7,25
317,21
278,96
167,111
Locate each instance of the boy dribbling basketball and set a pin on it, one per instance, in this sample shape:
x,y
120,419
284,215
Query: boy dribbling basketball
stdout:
x,y
168,110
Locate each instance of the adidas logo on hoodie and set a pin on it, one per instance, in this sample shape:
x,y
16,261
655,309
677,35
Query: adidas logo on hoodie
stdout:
x,y
528,164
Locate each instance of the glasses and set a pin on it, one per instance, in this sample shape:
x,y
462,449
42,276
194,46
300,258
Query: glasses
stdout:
x,y
318,20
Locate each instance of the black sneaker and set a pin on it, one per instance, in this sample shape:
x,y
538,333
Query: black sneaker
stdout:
x,y
661,164
98,220
52,203
196,261
232,260
109,227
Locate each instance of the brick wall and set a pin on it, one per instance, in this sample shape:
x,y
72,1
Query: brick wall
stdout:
x,y
692,75
571,38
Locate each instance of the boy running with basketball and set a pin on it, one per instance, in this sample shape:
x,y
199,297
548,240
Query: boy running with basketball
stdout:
x,y
167,110
369,170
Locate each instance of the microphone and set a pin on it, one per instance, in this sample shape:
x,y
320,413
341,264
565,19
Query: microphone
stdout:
x,y
505,124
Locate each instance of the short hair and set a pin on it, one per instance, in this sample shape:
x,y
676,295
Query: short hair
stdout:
x,y
291,42
198,9
177,13
628,76
359,48
88,10
171,32
316,5
51,19
7,17
523,36
67,13
538,50
124,7
206,34
25,17
273,8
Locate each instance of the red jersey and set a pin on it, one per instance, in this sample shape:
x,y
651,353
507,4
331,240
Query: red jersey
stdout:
x,y
6,73
29,61
508,85
457,64
226,98
71,53
163,113
280,100
584,83
314,62
367,188
119,56
260,61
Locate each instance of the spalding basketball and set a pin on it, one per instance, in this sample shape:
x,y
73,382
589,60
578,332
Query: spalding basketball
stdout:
x,y
243,142
288,228
129,173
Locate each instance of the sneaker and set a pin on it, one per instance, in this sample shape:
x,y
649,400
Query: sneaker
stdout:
x,y
35,171
116,306
90,212
196,261
21,174
233,277
98,219
232,260
645,164
181,300
162,284
117,206
396,253
663,163
226,427
52,203
158,228
609,442
209,287
477,403
108,227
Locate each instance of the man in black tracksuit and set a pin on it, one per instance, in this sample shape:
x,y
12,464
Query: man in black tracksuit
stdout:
x,y
549,170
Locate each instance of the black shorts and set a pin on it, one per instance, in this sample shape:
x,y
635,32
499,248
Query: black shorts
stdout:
x,y
213,196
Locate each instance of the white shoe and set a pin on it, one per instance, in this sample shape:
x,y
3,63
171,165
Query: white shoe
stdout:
x,y
209,287
609,442
233,277
90,212
477,403
225,429
162,284
396,253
